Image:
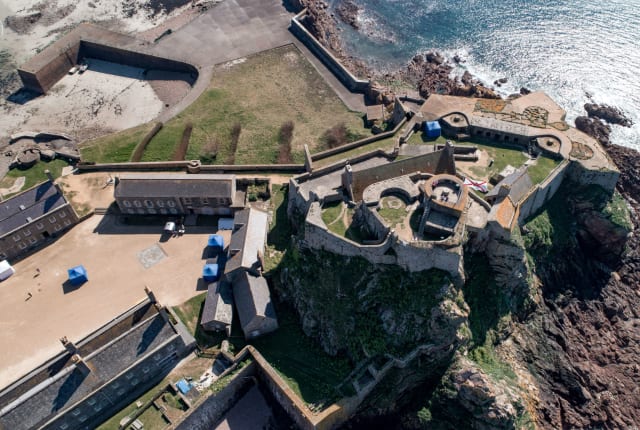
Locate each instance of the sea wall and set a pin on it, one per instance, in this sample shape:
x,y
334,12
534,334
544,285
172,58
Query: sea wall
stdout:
x,y
328,59
606,178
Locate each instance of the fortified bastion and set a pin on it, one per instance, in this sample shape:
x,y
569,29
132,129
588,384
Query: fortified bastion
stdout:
x,y
418,211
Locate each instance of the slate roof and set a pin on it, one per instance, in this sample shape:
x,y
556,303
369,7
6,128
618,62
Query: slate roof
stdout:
x,y
151,185
218,306
70,385
37,201
248,238
519,183
252,297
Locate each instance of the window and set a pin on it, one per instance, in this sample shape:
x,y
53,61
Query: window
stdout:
x,y
16,238
67,222
171,203
135,381
32,240
173,210
39,226
76,412
160,203
205,201
22,245
58,227
137,203
148,203
97,407
126,203
131,211
187,200
83,418
64,426
152,211
121,391
62,214
91,401
26,233
163,211
146,369
52,219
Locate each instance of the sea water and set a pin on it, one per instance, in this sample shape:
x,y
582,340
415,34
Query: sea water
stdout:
x,y
577,51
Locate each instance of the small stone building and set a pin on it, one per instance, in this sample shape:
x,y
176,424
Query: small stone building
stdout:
x,y
32,218
253,302
176,194
217,314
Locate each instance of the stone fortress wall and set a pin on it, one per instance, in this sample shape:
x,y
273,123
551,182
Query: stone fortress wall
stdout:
x,y
46,68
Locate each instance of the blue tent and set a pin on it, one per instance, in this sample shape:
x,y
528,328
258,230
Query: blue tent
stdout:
x,y
211,272
432,128
77,275
215,241
183,386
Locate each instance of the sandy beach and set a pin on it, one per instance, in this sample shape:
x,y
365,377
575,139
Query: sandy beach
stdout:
x,y
108,97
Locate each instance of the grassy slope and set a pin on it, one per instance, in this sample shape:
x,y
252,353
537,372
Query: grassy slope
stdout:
x,y
261,93
35,174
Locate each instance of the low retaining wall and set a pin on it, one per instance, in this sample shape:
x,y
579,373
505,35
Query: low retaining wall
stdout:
x,y
328,59
159,166
358,143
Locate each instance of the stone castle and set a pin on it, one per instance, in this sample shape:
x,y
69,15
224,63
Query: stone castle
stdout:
x,y
419,211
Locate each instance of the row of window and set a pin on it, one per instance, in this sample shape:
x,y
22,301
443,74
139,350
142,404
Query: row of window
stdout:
x,y
40,226
171,203
151,211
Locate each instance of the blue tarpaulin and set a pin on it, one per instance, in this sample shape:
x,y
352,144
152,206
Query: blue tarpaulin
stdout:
x,y
77,275
432,128
215,241
211,272
183,386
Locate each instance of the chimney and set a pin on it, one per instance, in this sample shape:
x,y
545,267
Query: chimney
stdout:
x,y
152,297
68,345
81,365
49,175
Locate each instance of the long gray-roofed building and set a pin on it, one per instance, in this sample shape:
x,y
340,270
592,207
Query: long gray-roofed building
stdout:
x,y
90,381
253,302
176,194
33,217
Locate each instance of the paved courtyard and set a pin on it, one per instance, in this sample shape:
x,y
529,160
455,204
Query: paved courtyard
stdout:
x,y
37,309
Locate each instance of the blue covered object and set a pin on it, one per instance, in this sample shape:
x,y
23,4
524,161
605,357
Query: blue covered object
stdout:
x,y
183,386
77,275
211,272
215,241
432,128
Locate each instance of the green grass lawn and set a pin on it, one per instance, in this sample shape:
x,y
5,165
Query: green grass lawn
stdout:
x,y
308,370
114,148
385,144
331,212
114,422
261,94
541,169
35,174
392,215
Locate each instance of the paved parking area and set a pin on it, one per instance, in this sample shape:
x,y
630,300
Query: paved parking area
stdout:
x,y
31,326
